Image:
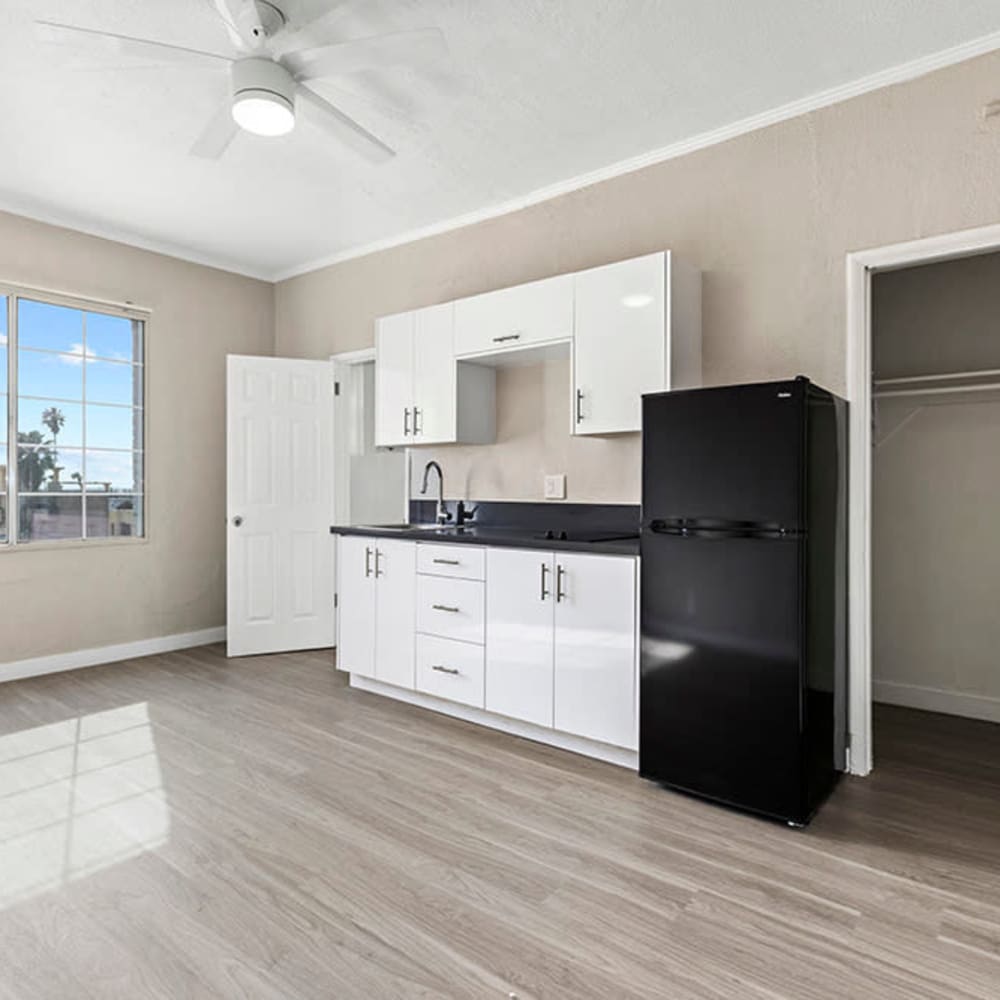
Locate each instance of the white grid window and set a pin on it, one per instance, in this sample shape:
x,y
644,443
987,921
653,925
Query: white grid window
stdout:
x,y
71,443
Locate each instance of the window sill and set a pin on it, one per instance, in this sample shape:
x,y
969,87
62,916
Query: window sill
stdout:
x,y
72,544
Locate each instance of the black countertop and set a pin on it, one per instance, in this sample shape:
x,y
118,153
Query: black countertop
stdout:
x,y
601,529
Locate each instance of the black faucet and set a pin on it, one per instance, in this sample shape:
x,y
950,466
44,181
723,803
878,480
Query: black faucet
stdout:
x,y
464,515
443,517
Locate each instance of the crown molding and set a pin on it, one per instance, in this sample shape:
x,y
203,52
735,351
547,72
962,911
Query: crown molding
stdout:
x,y
876,81
835,95
28,209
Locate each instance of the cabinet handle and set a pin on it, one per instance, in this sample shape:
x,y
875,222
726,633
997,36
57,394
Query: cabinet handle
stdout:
x,y
560,574
368,561
579,405
444,607
443,670
416,426
447,562
506,337
545,590
406,422
378,568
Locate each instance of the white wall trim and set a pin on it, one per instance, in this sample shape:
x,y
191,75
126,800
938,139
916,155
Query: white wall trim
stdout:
x,y
875,81
51,216
550,737
860,267
969,706
19,669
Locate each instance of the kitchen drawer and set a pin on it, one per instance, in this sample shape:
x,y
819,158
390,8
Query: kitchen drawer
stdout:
x,y
450,669
534,313
450,608
465,561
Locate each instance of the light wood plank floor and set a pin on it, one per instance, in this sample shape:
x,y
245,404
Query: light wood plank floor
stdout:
x,y
184,826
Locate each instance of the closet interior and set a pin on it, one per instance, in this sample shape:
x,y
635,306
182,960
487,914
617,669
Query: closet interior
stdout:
x,y
936,489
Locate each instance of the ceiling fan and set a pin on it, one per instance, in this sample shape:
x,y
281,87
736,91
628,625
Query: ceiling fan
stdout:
x,y
270,74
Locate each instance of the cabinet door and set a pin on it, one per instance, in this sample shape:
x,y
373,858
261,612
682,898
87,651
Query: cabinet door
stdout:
x,y
595,664
620,344
537,312
520,598
356,590
395,611
435,387
394,380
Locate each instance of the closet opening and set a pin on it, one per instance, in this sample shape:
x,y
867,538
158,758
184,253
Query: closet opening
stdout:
x,y
935,525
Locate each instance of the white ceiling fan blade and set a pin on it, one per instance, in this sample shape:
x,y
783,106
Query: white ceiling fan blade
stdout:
x,y
408,49
344,128
313,34
106,41
217,136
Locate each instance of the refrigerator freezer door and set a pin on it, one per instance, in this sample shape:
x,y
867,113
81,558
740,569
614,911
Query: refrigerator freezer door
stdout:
x,y
720,711
726,454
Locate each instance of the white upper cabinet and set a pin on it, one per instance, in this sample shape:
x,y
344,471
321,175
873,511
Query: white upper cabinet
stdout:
x,y
595,661
394,379
637,330
509,318
422,395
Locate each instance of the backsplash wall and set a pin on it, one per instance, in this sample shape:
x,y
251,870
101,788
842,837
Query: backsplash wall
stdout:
x,y
534,439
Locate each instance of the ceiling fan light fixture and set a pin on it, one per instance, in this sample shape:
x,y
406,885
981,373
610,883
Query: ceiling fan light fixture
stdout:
x,y
263,97
263,113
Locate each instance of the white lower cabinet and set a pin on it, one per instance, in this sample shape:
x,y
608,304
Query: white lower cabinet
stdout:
x,y
377,597
519,619
450,669
560,642
547,638
595,671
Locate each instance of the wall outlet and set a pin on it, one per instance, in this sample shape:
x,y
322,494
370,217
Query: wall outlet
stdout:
x,y
555,487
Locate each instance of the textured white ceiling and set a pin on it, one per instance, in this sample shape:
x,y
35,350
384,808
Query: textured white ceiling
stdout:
x,y
536,92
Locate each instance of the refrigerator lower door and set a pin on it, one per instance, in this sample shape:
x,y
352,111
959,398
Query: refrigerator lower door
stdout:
x,y
721,710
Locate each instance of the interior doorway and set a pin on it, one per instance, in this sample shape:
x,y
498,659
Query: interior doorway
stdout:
x,y
370,484
863,271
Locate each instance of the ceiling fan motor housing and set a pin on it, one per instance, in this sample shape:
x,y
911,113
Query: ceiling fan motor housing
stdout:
x,y
256,77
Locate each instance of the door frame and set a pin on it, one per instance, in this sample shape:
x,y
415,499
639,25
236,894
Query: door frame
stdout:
x,y
861,265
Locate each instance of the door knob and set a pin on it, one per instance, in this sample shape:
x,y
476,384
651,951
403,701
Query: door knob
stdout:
x,y
237,521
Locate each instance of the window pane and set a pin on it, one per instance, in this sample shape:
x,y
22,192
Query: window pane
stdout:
x,y
45,470
3,348
52,328
114,427
49,376
113,337
3,428
48,518
114,516
112,382
47,422
114,472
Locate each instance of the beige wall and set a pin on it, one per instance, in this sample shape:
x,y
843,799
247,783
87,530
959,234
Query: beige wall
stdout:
x,y
936,483
63,599
768,217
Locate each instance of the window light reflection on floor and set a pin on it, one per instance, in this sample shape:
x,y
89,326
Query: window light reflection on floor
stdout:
x,y
77,796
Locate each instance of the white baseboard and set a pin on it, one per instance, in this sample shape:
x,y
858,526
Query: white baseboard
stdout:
x,y
970,706
35,667
551,737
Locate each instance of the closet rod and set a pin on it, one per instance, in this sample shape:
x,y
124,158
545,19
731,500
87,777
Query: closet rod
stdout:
x,y
943,390
905,380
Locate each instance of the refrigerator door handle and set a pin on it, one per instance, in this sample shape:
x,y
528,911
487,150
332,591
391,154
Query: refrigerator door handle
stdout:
x,y
681,528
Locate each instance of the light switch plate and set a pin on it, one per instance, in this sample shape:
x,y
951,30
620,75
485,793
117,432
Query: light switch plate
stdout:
x,y
555,487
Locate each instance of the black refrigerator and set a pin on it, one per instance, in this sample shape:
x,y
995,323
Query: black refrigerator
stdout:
x,y
743,599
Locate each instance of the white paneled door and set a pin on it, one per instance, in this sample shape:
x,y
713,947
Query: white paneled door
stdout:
x,y
279,505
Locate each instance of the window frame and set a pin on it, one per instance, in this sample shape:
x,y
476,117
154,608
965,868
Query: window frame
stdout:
x,y
125,310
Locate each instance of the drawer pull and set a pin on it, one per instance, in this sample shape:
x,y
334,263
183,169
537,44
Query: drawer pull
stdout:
x,y
447,562
444,607
443,670
506,337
